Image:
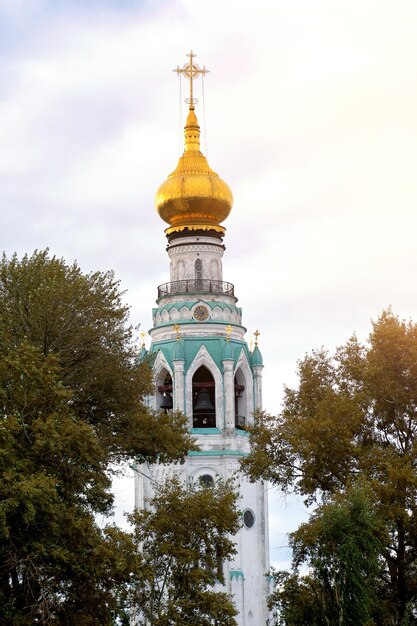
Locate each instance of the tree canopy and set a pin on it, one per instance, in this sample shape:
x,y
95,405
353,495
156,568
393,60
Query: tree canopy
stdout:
x,y
184,539
80,320
71,405
353,417
340,544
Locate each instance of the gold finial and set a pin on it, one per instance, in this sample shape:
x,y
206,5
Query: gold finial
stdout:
x,y
228,331
193,197
176,328
142,336
191,70
256,333
251,345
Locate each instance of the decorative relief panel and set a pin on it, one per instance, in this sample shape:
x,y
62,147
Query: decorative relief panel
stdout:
x,y
184,313
217,313
196,248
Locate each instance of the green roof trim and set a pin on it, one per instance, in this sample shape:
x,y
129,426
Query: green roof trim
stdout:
x,y
236,573
205,431
191,346
193,321
243,433
256,357
190,303
178,351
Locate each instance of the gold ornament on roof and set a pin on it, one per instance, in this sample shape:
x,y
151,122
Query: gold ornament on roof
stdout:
x,y
193,197
256,333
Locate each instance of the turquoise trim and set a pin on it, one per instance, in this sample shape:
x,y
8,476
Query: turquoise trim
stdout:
x,y
193,321
190,303
178,353
206,431
236,573
243,433
192,345
228,352
217,453
256,357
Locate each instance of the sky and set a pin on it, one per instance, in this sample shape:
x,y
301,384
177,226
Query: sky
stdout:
x,y
310,116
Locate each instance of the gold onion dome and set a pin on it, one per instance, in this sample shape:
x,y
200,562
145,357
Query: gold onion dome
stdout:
x,y
193,197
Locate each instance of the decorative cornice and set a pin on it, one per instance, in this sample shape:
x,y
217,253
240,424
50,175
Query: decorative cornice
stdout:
x,y
187,247
180,229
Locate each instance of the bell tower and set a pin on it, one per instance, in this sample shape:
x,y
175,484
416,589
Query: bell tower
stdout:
x,y
201,362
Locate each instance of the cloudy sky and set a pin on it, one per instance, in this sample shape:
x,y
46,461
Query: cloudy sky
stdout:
x,y
311,118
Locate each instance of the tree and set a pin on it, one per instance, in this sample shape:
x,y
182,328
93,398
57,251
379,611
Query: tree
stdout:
x,y
340,544
354,415
296,601
184,538
71,405
80,320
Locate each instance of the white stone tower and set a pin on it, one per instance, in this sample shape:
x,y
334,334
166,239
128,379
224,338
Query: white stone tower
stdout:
x,y
202,364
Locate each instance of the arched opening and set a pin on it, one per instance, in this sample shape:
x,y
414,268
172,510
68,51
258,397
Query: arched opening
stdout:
x,y
164,391
206,480
241,402
198,269
204,399
198,274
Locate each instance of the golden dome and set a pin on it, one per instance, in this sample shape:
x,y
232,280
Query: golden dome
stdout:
x,y
193,196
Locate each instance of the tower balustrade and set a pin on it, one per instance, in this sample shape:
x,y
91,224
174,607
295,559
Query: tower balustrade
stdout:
x,y
196,285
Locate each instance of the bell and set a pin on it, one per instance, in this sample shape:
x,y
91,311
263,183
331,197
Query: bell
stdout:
x,y
166,403
203,404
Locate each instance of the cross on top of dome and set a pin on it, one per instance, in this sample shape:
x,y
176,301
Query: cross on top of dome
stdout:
x,y
193,197
191,71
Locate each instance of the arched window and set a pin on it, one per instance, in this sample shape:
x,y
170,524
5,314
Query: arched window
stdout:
x,y
198,269
204,399
214,270
206,479
164,391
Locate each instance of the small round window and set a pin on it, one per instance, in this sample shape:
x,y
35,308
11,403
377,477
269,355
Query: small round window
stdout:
x,y
248,518
206,480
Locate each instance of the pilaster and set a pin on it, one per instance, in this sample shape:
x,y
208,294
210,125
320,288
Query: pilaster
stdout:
x,y
178,399
257,384
229,396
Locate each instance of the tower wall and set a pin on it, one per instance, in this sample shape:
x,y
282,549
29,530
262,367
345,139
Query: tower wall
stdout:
x,y
187,253
200,333
201,358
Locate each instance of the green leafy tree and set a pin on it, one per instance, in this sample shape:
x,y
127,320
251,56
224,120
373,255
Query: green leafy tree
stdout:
x,y
295,601
71,405
354,414
81,320
341,545
184,538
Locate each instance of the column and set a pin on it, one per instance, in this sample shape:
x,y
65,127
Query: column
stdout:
x,y
178,399
229,394
257,384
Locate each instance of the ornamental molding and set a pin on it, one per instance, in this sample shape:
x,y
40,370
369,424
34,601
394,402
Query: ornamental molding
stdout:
x,y
195,247
160,364
243,364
